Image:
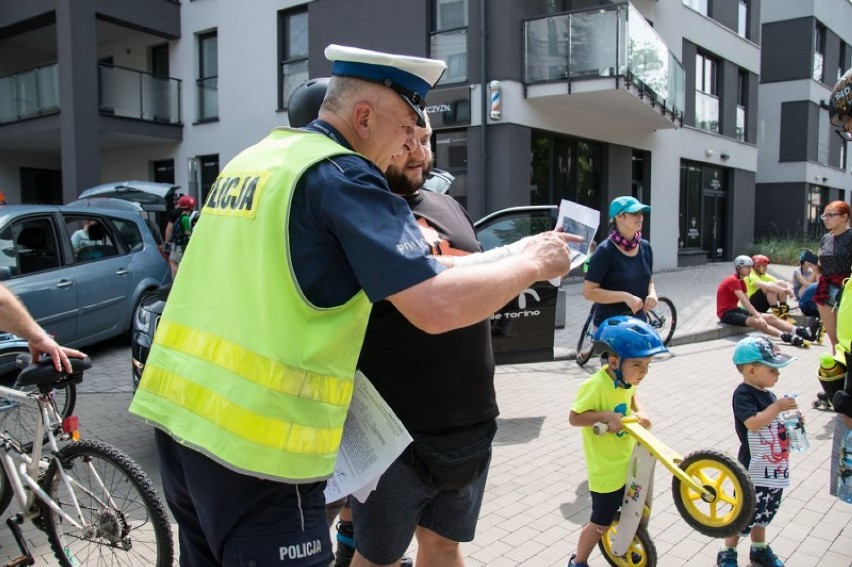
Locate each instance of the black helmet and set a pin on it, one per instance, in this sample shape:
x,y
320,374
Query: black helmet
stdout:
x,y
305,102
840,101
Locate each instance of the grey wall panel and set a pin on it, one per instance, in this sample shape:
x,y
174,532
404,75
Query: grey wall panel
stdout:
x,y
752,108
793,143
396,26
787,52
728,82
741,207
689,52
726,13
831,62
781,205
158,18
508,166
754,34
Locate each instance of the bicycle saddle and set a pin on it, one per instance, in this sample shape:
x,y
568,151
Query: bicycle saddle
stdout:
x,y
43,372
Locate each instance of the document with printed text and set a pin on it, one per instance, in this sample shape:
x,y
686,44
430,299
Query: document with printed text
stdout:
x,y
373,437
578,219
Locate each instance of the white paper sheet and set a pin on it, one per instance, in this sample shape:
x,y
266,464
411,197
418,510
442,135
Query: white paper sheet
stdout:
x,y
373,437
578,219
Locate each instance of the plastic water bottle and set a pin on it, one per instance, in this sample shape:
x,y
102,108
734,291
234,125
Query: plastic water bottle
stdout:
x,y
828,367
796,434
844,484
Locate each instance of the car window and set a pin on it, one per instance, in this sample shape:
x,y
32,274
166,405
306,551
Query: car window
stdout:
x,y
29,246
90,239
513,226
128,232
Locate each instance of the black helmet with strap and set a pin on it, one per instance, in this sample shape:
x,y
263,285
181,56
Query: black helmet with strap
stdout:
x,y
305,102
840,102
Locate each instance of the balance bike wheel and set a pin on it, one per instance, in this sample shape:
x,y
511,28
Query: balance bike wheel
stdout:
x,y
732,505
641,553
585,344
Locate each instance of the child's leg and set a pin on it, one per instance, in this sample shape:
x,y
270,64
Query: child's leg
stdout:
x,y
590,535
604,507
758,534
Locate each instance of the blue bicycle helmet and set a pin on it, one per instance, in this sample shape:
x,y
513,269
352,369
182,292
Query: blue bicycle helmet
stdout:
x,y
627,337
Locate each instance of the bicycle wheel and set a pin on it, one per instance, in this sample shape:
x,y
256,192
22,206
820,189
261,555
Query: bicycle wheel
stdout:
x,y
641,553
731,506
663,318
586,343
18,420
125,520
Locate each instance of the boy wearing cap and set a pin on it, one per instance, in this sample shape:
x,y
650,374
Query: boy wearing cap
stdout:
x,y
249,386
764,448
619,279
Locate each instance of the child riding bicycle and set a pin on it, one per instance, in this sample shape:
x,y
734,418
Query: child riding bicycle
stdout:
x,y
628,345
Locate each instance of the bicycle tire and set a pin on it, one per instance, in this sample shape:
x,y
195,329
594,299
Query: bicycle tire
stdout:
x,y
730,483
663,318
134,532
641,553
586,343
18,420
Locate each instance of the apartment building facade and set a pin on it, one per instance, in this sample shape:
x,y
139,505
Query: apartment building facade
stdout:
x,y
803,164
549,99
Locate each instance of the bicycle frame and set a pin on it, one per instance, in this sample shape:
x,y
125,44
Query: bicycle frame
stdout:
x,y
30,465
670,458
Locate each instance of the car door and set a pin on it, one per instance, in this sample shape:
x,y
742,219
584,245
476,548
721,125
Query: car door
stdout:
x,y
522,331
103,272
34,260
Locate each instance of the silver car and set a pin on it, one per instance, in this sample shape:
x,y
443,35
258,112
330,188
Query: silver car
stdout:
x,y
81,271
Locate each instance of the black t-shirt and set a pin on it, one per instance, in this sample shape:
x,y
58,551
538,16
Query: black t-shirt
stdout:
x,y
747,402
432,382
615,271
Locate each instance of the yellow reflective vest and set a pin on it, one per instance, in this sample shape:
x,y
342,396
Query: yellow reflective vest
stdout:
x,y
243,368
844,324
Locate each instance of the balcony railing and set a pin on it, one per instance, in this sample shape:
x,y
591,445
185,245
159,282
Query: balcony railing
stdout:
x,y
136,94
608,42
29,94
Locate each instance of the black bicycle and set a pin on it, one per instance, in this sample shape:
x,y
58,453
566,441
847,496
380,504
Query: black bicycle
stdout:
x,y
663,319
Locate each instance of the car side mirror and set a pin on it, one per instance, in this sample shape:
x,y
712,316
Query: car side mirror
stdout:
x,y
5,273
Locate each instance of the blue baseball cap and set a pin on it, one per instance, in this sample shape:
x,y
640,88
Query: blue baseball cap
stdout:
x,y
410,77
626,205
762,350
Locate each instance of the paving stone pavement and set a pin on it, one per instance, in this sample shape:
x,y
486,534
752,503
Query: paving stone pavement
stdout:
x,y
537,496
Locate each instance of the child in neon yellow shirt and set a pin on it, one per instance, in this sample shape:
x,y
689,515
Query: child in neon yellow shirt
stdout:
x,y
627,345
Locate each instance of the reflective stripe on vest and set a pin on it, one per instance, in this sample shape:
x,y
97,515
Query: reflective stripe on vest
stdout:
x,y
242,368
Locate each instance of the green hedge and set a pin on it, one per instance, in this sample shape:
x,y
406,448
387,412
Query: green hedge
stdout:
x,y
783,250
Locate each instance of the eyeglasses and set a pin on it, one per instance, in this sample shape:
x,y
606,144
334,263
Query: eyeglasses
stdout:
x,y
829,215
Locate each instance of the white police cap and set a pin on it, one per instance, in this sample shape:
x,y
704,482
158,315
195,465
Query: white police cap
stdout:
x,y
410,77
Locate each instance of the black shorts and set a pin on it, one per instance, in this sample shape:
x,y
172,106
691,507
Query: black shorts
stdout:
x,y
768,502
605,505
736,316
759,301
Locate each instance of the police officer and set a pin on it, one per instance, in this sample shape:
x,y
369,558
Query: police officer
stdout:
x,y
251,372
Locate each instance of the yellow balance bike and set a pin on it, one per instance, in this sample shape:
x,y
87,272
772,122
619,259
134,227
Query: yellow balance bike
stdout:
x,y
713,493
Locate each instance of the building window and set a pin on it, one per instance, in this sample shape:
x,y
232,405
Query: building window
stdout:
x,y
565,168
742,18
825,132
700,6
819,52
706,97
293,39
451,156
742,103
448,41
817,200
841,60
208,76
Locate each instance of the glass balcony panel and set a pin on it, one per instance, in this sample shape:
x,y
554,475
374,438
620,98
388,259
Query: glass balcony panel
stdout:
x,y
706,112
818,65
134,94
451,47
594,44
602,43
292,75
28,94
546,41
